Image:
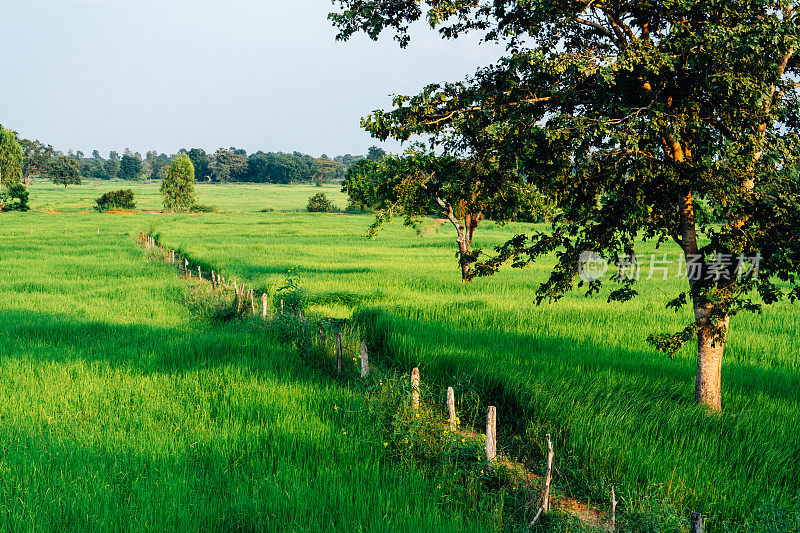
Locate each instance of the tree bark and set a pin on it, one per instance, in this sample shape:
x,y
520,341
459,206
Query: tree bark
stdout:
x,y
711,334
710,347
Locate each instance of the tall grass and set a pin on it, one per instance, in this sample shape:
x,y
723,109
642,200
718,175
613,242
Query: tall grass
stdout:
x,y
122,410
579,368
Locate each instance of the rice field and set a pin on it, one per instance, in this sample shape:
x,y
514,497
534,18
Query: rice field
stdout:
x,y
173,402
120,409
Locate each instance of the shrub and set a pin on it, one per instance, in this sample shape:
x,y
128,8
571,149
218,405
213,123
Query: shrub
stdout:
x,y
203,208
16,199
319,203
177,187
121,199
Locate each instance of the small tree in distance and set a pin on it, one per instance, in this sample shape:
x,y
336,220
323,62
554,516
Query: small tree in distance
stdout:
x,y
319,203
177,187
66,172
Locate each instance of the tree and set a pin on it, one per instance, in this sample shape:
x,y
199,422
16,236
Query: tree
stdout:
x,y
629,115
111,168
37,158
229,165
131,166
66,172
177,187
463,190
10,158
376,154
201,161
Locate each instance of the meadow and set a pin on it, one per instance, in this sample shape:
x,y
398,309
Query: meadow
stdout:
x,y
121,409
579,368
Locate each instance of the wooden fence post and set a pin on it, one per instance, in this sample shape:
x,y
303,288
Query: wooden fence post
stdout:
x,y
415,388
451,407
697,523
199,273
264,299
549,476
338,350
252,301
491,433
213,280
364,360
613,510
281,306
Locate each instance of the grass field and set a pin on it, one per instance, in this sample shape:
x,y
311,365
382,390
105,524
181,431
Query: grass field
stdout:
x,y
120,410
579,368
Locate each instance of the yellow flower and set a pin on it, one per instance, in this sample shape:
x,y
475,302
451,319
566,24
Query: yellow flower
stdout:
x,y
385,444
417,415
335,407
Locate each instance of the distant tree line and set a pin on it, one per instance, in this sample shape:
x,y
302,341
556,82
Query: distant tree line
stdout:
x,y
224,165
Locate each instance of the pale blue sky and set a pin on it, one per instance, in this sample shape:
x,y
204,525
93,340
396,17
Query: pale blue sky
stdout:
x,y
167,74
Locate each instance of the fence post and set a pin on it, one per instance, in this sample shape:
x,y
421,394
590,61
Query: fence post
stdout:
x,y
364,360
451,407
199,273
491,433
549,477
281,306
697,523
415,388
613,510
252,301
338,349
264,299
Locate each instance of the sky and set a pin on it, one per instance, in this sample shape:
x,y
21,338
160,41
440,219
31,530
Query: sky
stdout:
x,y
169,74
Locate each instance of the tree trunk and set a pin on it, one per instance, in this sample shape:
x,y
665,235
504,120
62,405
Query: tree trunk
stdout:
x,y
710,347
464,253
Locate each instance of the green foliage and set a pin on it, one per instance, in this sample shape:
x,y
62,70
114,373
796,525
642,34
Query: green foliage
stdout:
x,y
66,171
203,208
121,199
629,117
177,187
37,158
130,167
319,203
14,198
11,159
292,294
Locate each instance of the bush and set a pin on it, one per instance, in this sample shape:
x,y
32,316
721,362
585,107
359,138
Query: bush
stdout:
x,y
319,203
121,199
16,199
203,208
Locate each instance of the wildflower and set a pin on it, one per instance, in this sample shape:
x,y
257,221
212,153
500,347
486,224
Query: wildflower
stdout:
x,y
417,415
385,444
335,407
463,440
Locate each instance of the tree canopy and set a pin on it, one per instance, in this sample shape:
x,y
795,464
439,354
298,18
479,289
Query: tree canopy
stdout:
x,y
66,171
629,114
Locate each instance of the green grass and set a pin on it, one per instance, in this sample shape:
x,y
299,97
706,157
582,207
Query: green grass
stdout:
x,y
233,197
120,410
579,368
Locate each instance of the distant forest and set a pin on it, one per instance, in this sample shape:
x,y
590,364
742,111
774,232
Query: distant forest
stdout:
x,y
224,165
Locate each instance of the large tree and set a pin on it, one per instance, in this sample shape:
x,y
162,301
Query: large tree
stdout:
x,y
37,158
630,114
66,171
